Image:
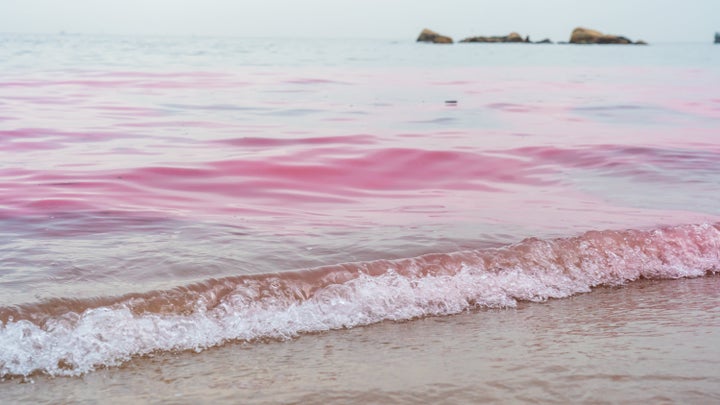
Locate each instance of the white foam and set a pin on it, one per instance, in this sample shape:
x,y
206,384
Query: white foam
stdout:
x,y
533,270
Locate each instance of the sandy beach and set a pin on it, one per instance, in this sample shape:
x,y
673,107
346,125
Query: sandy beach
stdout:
x,y
649,341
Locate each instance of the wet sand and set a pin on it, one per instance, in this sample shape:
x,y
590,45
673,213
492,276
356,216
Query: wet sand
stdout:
x,y
646,342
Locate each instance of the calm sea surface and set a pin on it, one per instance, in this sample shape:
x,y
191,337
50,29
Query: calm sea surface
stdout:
x,y
236,212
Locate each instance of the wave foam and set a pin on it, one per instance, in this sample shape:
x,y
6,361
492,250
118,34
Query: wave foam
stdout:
x,y
83,335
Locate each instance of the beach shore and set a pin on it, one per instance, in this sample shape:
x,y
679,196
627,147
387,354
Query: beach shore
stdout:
x,y
648,341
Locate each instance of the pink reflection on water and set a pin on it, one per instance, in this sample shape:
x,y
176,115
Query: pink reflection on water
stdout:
x,y
305,179
372,144
398,171
277,142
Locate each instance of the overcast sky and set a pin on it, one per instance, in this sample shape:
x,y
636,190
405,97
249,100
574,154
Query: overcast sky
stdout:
x,y
651,20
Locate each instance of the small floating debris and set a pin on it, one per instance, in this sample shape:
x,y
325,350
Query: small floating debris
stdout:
x,y
451,102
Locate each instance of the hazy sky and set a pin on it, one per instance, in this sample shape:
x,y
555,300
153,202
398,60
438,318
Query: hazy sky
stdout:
x,y
652,20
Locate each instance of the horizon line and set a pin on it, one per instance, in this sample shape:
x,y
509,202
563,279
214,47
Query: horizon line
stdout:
x,y
283,37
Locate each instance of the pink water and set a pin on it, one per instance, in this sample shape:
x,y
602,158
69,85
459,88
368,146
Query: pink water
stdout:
x,y
190,202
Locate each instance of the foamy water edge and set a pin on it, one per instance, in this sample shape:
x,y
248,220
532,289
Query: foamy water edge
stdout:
x,y
38,339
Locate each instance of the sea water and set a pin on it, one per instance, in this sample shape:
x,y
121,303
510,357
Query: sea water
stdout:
x,y
227,204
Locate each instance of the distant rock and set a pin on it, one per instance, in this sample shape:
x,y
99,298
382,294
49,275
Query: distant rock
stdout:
x,y
584,36
717,37
587,36
640,42
544,41
513,37
431,36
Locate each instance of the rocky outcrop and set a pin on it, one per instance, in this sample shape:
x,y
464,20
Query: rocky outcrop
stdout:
x,y
431,36
717,37
512,37
544,41
587,36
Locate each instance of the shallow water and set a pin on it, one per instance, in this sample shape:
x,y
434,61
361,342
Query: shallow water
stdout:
x,y
167,194
649,341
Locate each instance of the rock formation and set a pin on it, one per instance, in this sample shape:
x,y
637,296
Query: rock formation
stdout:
x,y
717,37
512,37
587,36
431,36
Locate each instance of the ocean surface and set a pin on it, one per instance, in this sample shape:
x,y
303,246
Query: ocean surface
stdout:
x,y
308,220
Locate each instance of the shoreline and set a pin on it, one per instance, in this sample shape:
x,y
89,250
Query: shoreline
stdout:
x,y
613,343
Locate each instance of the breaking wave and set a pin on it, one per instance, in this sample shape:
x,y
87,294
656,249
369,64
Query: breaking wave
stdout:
x,y
72,337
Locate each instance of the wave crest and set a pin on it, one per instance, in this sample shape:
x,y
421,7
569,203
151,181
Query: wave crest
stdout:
x,y
71,337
